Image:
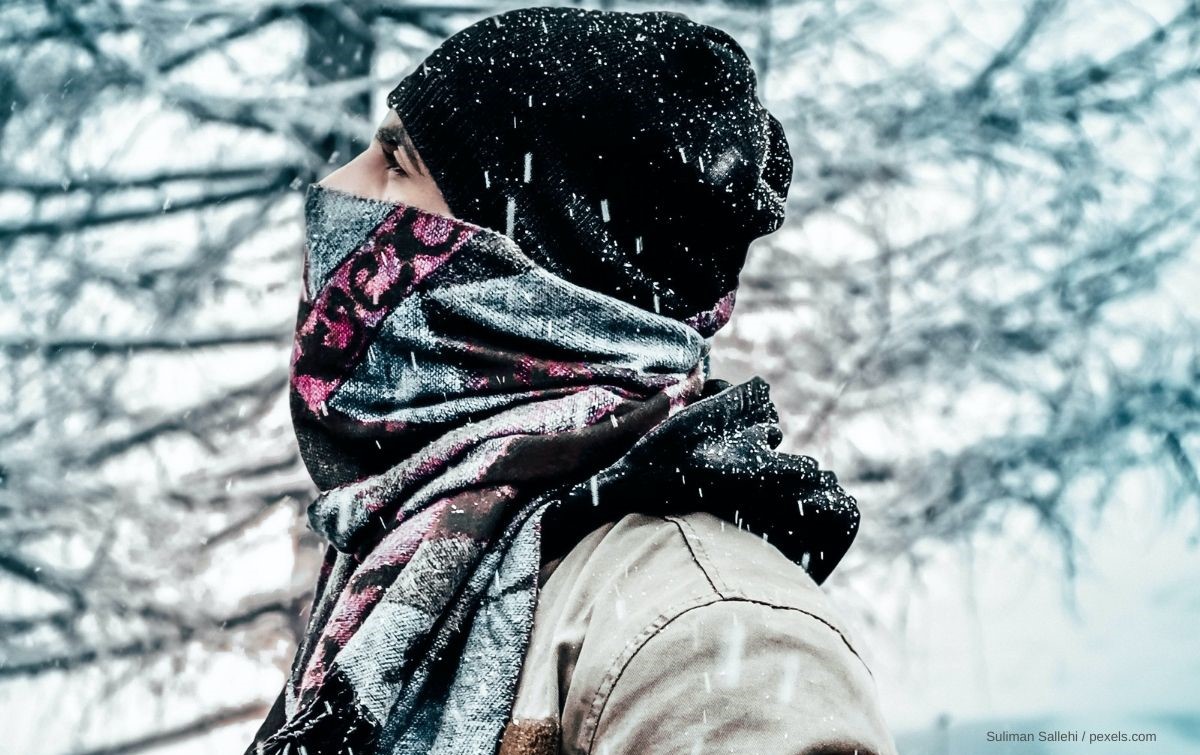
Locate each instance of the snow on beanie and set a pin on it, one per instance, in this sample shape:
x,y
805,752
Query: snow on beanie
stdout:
x,y
624,152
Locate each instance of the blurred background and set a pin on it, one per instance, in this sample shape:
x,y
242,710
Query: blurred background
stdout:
x,y
981,314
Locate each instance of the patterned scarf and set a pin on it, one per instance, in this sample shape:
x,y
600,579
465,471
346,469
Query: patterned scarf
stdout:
x,y
469,416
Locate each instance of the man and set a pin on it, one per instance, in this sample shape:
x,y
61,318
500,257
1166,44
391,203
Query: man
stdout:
x,y
550,531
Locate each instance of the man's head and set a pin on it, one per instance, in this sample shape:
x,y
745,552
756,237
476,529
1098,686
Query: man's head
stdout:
x,y
627,153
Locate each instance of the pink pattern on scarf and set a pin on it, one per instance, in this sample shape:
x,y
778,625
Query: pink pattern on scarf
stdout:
x,y
362,291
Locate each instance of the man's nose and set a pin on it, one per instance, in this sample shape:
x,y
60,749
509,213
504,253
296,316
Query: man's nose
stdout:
x,y
359,176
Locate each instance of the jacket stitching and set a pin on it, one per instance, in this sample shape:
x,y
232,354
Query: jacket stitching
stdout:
x,y
709,568
835,630
609,682
699,556
698,546
604,692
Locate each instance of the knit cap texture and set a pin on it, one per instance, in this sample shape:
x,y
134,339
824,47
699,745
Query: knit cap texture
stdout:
x,y
625,152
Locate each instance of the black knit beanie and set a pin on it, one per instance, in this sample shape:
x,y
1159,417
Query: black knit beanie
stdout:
x,y
625,152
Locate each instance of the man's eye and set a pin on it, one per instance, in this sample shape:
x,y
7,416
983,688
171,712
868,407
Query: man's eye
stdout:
x,y
393,165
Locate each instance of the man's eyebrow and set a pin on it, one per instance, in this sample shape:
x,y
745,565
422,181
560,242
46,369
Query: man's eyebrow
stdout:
x,y
396,136
393,135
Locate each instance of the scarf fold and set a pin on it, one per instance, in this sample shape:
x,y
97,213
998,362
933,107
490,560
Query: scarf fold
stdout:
x,y
468,416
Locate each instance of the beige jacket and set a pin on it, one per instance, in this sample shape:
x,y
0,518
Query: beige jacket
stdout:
x,y
683,634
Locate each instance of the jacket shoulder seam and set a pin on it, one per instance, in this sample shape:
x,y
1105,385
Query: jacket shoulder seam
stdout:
x,y
617,670
708,566
699,557
664,618
816,617
622,661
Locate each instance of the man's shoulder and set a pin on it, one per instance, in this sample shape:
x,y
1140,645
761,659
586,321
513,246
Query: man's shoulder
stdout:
x,y
680,561
652,589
